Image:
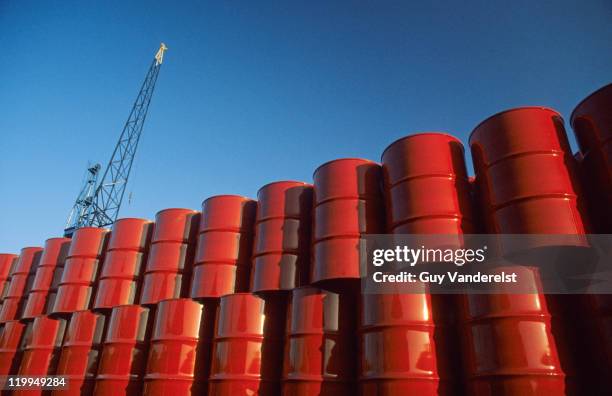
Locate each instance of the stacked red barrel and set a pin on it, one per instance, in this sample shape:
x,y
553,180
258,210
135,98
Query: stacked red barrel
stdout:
x,y
80,352
398,352
170,259
80,272
427,192
592,124
177,359
11,335
348,203
509,348
225,240
426,186
44,288
124,352
41,349
281,251
20,284
7,261
528,184
526,176
320,346
123,262
247,356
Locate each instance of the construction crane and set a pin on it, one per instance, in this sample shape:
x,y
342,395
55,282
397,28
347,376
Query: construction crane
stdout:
x,y
98,203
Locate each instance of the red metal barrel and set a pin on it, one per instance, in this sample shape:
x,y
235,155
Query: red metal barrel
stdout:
x,y
20,284
426,184
29,258
180,348
121,271
7,263
11,334
428,192
348,202
398,352
80,352
281,252
124,352
508,344
44,287
80,273
41,349
170,258
527,175
248,346
592,124
320,347
225,242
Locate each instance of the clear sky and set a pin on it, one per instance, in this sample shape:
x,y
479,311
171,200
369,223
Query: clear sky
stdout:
x,y
253,92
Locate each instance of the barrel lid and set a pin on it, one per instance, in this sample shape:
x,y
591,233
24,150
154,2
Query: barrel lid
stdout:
x,y
511,110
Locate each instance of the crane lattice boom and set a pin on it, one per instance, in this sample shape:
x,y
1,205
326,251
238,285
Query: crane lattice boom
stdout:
x,y
99,207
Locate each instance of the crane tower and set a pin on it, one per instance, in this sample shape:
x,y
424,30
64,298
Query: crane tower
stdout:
x,y
98,203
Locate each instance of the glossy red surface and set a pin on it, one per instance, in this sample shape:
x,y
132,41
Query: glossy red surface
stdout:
x,y
28,260
168,257
248,346
41,347
281,252
175,225
55,252
179,349
592,123
80,352
10,308
508,343
124,352
11,334
426,183
274,272
228,213
121,271
158,286
347,178
130,234
88,242
348,202
347,218
225,244
281,236
320,344
7,263
398,352
44,287
80,272
527,175
284,199
229,247
213,280
335,259
167,272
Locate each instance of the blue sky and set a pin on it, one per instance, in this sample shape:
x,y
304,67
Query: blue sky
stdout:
x,y
252,92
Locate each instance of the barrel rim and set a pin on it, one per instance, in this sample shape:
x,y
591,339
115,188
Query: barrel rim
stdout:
x,y
184,209
305,184
133,218
417,134
344,159
589,96
520,108
245,198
